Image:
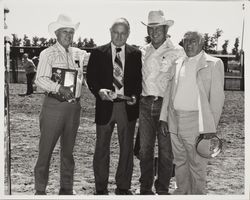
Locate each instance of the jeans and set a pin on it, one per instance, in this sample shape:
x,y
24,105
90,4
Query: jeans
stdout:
x,y
149,129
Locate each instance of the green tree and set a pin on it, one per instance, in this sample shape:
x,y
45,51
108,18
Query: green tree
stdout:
x,y
35,41
216,36
51,42
235,50
89,43
79,43
224,47
26,41
206,42
43,42
15,40
211,42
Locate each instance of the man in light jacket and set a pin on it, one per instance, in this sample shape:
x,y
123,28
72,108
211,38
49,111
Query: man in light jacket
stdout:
x,y
192,106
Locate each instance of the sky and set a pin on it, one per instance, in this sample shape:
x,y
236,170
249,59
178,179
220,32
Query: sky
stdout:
x,y
32,17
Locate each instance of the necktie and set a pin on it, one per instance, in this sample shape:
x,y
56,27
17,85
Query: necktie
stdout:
x,y
118,70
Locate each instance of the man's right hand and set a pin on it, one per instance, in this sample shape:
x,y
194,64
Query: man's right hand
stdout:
x,y
66,92
105,94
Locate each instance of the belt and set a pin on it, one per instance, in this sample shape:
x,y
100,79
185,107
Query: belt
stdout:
x,y
118,100
60,98
154,98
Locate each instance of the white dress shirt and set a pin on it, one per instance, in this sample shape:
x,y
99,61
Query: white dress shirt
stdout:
x,y
57,57
186,97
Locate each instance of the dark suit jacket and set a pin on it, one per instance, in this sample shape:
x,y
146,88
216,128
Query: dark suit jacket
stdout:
x,y
100,75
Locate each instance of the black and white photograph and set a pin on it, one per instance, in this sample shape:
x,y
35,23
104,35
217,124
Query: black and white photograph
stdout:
x,y
130,97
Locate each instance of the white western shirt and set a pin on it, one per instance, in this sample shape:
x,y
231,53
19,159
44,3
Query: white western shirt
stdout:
x,y
155,65
56,56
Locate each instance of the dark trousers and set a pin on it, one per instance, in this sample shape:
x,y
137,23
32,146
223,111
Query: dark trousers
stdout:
x,y
57,119
101,161
149,130
30,78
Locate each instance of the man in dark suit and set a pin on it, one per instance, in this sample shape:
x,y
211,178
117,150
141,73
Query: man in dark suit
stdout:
x,y
114,70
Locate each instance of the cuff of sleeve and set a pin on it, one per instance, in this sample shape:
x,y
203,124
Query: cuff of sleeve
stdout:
x,y
57,88
163,119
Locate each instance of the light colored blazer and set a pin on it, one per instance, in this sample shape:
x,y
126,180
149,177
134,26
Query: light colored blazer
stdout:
x,y
210,82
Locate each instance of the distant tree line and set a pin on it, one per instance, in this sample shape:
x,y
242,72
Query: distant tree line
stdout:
x,y
44,42
211,44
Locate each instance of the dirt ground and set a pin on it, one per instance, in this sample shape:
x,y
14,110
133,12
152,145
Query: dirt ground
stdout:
x,y
225,172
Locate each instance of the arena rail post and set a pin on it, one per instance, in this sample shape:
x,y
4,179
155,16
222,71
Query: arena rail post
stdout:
x,y
7,115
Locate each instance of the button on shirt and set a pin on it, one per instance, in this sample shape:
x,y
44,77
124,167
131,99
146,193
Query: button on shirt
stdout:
x,y
155,67
57,57
122,58
186,97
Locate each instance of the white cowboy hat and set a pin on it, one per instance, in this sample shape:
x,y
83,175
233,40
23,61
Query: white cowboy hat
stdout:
x,y
63,21
156,18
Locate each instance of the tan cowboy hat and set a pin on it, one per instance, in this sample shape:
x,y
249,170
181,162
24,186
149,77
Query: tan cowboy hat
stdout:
x,y
156,18
63,21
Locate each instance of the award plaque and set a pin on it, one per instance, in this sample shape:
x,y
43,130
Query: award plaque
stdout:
x,y
65,77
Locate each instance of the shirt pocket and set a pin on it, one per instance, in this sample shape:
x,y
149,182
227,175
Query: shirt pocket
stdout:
x,y
60,65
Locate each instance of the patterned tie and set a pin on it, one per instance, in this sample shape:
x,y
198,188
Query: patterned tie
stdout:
x,y
118,70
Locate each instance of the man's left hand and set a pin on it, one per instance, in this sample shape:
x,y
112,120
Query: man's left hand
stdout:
x,y
133,101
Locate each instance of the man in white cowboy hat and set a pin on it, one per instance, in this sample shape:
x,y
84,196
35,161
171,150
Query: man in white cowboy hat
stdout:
x,y
157,59
192,106
59,117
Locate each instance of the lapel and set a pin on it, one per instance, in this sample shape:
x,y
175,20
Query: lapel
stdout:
x,y
108,54
126,63
202,63
127,52
179,64
108,51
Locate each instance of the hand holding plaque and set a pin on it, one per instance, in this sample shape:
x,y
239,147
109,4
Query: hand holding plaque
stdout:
x,y
67,79
66,92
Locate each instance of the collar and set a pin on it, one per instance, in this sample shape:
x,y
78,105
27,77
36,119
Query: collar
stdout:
x,y
166,44
61,48
113,47
195,58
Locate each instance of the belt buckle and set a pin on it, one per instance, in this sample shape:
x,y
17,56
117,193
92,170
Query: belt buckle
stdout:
x,y
155,98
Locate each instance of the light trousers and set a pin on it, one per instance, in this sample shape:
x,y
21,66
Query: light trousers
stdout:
x,y
190,168
57,119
